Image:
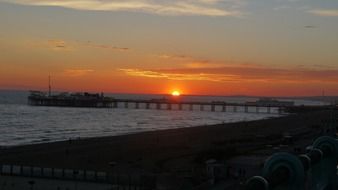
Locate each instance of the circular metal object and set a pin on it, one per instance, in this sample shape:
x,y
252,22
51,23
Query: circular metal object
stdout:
x,y
256,183
328,145
290,169
306,161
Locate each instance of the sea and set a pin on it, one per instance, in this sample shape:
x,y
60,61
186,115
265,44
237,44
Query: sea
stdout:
x,y
21,124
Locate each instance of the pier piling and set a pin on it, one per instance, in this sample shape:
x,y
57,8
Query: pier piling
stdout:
x,y
213,108
169,107
224,108
235,108
246,109
180,107
201,107
269,109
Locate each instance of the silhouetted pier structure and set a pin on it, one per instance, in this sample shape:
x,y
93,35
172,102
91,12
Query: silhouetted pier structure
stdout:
x,y
37,98
195,105
99,101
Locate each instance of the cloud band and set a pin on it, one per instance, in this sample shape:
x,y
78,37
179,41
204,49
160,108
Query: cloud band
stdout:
x,y
164,7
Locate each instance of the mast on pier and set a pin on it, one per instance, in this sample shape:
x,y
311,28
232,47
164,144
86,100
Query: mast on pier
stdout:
x,y
49,87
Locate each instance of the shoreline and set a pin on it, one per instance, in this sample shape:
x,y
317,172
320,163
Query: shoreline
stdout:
x,y
137,133
72,129
165,150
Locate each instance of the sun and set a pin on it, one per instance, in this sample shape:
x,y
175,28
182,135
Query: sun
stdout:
x,y
175,93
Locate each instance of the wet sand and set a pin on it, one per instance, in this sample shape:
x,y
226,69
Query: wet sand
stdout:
x,y
168,150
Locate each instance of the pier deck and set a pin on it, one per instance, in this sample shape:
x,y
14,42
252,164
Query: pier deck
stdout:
x,y
159,104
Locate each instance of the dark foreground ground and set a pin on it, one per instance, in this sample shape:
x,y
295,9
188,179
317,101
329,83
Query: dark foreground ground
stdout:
x,y
169,150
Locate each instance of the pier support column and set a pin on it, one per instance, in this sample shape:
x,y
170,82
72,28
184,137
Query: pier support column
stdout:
x,y
190,107
126,104
269,109
180,107
158,106
257,109
137,106
224,108
201,108
115,105
169,107
246,109
147,106
213,108
235,108
280,110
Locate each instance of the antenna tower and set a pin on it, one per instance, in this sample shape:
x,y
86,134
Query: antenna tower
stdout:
x,y
49,87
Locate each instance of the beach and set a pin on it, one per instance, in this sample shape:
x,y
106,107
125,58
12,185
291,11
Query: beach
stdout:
x,y
168,151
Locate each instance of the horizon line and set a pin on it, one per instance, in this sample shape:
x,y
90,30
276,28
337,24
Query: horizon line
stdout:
x,y
168,94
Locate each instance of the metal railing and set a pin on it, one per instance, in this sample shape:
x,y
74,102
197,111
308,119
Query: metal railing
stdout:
x,y
124,181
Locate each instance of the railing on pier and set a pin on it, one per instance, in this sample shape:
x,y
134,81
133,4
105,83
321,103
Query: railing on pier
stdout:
x,y
122,181
315,170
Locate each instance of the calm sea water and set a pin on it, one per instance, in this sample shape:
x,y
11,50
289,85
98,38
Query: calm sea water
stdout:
x,y
23,124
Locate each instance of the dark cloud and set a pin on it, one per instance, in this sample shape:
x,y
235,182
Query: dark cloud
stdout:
x,y
310,26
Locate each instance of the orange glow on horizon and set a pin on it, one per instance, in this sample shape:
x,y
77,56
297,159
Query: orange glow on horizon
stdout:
x,y
93,80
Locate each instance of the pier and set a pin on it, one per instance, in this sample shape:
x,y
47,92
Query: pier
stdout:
x,y
194,106
100,101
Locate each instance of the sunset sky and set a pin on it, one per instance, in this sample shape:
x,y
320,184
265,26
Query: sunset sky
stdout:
x,y
201,47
